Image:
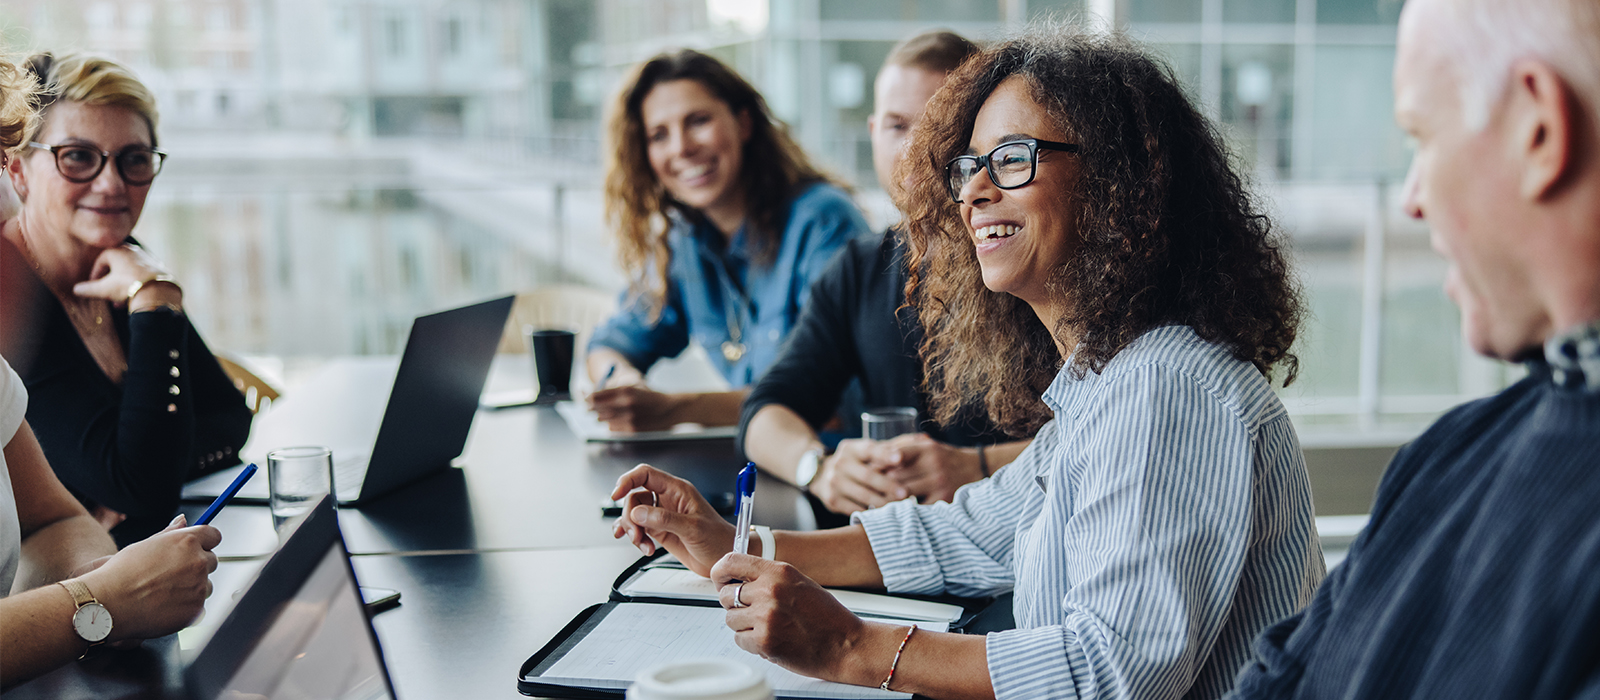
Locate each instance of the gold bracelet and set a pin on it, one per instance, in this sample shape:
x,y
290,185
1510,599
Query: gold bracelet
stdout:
x,y
133,289
896,663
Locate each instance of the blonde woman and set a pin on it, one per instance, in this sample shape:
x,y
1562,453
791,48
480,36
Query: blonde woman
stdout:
x,y
722,225
126,398
52,553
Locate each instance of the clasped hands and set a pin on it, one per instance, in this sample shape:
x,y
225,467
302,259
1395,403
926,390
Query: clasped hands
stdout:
x,y
781,614
865,474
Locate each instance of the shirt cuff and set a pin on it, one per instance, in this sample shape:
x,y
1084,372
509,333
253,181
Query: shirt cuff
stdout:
x,y
900,543
1031,664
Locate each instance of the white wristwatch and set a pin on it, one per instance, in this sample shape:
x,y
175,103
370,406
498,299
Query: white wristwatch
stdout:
x,y
91,621
806,469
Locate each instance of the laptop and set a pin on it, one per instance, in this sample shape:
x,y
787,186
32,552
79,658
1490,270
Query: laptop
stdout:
x,y
383,441
298,631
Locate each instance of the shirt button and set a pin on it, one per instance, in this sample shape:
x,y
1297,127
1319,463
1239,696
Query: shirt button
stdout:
x,y
173,390
1559,375
772,334
174,372
172,354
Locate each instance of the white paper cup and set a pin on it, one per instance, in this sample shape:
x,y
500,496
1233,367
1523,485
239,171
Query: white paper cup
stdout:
x,y
700,679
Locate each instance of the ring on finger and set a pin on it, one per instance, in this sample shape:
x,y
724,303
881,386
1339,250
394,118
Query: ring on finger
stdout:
x,y
737,590
655,499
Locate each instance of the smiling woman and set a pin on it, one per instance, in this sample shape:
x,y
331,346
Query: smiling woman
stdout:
x,y
126,398
722,224
1100,256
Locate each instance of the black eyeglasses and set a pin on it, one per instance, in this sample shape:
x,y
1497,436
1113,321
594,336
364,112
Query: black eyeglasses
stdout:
x,y
1011,165
138,165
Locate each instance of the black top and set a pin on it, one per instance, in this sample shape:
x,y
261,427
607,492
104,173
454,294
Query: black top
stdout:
x,y
130,448
1475,577
857,326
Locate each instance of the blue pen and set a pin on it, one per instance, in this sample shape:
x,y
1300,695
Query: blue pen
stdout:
x,y
609,371
227,495
746,505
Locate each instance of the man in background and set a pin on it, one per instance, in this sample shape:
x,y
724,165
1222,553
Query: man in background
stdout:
x,y
1475,576
856,328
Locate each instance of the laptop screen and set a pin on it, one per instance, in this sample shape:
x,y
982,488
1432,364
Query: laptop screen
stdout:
x,y
299,632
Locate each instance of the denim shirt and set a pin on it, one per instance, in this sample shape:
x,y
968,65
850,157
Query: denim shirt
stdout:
x,y
707,281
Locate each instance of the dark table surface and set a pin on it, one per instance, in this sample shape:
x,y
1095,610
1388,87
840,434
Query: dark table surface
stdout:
x,y
492,558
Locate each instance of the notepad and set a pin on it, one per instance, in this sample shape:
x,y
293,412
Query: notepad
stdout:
x,y
667,582
634,636
585,424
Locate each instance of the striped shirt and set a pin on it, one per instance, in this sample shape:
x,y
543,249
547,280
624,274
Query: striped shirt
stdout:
x,y
1149,532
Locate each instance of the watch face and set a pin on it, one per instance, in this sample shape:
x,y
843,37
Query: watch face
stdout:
x,y
92,622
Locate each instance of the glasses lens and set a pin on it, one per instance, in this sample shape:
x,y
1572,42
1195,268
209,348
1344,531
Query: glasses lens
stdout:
x,y
78,163
139,165
1012,164
959,173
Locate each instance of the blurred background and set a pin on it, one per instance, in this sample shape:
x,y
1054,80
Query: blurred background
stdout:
x,y
340,166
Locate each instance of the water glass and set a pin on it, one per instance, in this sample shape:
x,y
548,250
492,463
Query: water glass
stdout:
x,y
298,478
888,422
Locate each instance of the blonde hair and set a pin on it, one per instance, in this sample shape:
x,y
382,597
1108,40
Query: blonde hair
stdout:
x,y
91,80
17,115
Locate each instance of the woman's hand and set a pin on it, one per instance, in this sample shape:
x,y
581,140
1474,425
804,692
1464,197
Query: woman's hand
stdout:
x,y
848,482
663,509
790,620
635,408
117,269
160,585
926,467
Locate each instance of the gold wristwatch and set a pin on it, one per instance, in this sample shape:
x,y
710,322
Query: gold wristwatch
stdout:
x,y
133,289
91,621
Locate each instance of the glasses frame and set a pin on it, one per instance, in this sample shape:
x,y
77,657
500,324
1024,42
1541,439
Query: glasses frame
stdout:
x,y
105,157
986,162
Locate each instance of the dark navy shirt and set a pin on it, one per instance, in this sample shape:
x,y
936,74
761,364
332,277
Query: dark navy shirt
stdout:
x,y
1478,575
708,281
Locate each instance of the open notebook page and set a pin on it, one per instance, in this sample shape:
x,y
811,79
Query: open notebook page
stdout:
x,y
664,582
637,636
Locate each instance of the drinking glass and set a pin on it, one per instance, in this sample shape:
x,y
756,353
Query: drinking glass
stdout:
x,y
298,478
888,422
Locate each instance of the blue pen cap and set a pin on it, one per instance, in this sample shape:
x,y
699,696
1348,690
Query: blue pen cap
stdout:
x,y
747,479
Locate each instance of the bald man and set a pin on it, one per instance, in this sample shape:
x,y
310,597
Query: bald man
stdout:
x,y
1478,575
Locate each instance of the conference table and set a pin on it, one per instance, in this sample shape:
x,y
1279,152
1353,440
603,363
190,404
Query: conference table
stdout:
x,y
492,558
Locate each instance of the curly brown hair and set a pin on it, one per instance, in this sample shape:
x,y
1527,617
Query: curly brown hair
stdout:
x,y
1170,236
639,207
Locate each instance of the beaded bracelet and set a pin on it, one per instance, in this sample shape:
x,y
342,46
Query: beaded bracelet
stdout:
x,y
896,663
983,462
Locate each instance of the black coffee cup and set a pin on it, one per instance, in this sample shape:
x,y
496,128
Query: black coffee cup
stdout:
x,y
552,361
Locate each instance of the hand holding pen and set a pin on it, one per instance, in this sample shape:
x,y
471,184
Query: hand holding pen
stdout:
x,y
660,509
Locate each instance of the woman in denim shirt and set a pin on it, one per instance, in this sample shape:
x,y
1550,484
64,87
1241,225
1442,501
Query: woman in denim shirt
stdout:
x,y
719,253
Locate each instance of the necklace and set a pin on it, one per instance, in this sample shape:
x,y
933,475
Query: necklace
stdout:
x,y
74,308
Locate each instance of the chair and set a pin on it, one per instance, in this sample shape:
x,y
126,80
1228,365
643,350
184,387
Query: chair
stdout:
x,y
563,307
258,394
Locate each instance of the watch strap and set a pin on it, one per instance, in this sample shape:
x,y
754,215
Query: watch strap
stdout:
x,y
79,592
769,550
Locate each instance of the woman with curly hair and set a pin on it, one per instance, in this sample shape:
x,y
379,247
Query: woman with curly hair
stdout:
x,y
1080,236
722,224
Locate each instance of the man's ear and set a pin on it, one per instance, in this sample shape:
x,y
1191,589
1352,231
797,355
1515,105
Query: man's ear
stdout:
x,y
1543,119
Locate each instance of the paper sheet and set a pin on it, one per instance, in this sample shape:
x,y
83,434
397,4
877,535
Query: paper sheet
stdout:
x,y
636,636
587,425
682,583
